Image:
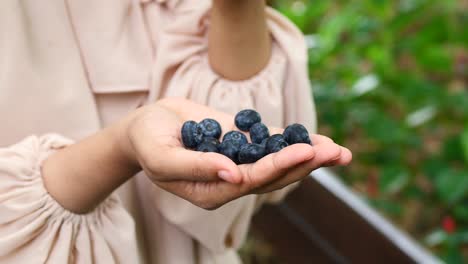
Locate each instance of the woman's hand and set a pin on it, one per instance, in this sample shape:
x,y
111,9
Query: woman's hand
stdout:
x,y
81,175
210,180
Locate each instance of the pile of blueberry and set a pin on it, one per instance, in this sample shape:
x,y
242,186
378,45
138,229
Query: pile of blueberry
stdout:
x,y
204,136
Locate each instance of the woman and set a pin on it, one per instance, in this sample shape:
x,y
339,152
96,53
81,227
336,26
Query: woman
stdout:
x,y
124,190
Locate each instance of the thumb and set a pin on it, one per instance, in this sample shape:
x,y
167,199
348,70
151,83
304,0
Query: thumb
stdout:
x,y
179,164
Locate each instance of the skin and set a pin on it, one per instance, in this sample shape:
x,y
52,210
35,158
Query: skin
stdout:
x,y
149,139
239,43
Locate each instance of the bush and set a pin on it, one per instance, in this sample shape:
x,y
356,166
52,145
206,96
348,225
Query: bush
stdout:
x,y
390,82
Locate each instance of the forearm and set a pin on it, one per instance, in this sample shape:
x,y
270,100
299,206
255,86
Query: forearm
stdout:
x,y
239,41
82,175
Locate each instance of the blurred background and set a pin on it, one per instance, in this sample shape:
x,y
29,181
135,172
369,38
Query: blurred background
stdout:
x,y
390,80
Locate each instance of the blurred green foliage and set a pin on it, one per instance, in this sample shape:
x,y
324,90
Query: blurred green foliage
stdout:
x,y
390,82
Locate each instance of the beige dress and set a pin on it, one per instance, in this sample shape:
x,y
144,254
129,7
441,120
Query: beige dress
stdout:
x,y
72,67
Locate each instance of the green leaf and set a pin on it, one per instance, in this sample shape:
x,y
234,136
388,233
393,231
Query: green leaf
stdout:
x,y
433,166
464,143
452,254
461,236
393,179
451,185
437,59
387,206
461,211
452,149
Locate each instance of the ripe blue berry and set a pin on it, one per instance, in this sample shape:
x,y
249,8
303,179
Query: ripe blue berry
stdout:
x,y
210,128
264,141
211,140
191,134
237,136
230,149
296,133
208,146
250,153
258,132
275,143
246,118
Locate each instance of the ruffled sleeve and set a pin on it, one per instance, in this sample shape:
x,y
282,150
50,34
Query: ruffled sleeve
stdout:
x,y
196,80
280,92
33,226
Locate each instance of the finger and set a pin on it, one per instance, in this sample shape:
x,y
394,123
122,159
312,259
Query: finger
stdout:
x,y
344,159
179,164
296,174
270,173
325,153
208,195
271,167
319,139
212,194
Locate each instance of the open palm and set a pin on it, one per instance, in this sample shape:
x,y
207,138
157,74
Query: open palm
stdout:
x,y
195,176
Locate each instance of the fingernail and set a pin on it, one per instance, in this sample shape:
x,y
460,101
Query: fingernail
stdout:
x,y
226,175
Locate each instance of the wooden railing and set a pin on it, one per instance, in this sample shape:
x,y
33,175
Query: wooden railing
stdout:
x,y
322,221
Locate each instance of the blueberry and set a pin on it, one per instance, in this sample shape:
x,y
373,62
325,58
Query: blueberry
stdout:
x,y
264,141
275,143
230,148
237,136
208,146
250,153
258,132
246,118
210,128
210,140
191,134
296,133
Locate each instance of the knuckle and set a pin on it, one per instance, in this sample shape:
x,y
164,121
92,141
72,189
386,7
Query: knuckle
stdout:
x,y
190,193
163,102
278,169
198,196
199,170
324,139
337,152
275,164
249,179
196,172
171,101
211,206
208,204
333,155
150,164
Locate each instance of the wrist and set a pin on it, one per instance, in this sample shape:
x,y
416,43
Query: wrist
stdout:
x,y
239,43
236,9
119,134
236,4
82,175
